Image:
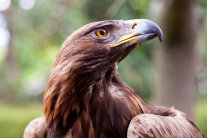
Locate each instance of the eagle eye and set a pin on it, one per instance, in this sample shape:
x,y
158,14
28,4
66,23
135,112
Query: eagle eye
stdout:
x,y
101,32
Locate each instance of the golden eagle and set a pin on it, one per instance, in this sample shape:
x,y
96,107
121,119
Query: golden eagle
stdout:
x,y
86,98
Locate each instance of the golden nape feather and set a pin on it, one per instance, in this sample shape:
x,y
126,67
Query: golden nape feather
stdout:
x,y
86,98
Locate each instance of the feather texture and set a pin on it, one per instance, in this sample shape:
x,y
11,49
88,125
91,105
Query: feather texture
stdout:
x,y
85,96
156,126
36,129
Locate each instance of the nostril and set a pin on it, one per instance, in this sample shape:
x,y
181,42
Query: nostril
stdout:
x,y
134,26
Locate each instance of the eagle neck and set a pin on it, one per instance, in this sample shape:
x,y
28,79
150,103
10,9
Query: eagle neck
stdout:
x,y
68,91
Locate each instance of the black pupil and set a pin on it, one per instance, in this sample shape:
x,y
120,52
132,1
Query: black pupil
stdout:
x,y
102,32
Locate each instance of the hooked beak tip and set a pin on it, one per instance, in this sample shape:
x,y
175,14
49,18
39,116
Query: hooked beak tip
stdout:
x,y
148,27
159,34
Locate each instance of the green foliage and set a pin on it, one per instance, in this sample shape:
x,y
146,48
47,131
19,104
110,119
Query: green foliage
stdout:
x,y
203,5
201,114
95,10
13,119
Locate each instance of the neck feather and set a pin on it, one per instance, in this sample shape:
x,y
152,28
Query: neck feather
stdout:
x,y
74,85
69,86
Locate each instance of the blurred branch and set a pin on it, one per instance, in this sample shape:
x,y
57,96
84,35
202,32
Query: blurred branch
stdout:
x,y
175,61
11,69
113,9
10,58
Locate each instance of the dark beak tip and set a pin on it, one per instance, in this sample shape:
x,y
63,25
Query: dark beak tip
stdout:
x,y
160,37
159,33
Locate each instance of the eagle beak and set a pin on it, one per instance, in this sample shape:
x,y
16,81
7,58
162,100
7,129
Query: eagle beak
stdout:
x,y
142,30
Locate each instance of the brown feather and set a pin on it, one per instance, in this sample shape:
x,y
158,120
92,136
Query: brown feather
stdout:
x,y
85,97
156,126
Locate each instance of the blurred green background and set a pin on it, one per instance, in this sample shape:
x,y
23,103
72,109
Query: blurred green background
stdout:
x,y
32,31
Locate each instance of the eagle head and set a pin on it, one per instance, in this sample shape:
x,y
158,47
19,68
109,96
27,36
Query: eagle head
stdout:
x,y
109,41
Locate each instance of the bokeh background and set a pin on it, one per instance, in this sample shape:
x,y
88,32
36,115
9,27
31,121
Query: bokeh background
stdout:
x,y
173,73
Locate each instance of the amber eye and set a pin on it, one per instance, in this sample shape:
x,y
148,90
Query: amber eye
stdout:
x,y
101,33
